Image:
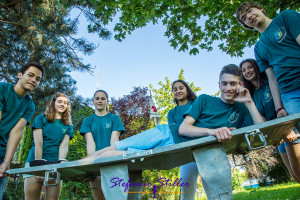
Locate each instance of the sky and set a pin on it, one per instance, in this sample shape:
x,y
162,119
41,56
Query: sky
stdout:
x,y
145,57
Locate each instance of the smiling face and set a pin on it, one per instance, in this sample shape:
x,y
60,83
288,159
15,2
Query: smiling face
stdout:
x,y
253,17
248,71
180,92
61,104
30,79
228,85
100,101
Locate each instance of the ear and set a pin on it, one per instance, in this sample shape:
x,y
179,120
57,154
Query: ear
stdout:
x,y
219,85
241,83
20,75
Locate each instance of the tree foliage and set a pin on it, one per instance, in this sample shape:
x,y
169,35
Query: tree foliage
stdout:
x,y
164,96
191,24
134,111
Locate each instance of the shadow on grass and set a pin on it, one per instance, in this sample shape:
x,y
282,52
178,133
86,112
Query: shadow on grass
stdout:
x,y
277,192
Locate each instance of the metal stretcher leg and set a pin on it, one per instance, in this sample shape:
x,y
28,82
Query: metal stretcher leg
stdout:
x,y
110,175
214,168
135,177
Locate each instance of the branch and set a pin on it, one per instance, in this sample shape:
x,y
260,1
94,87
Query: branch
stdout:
x,y
10,4
9,22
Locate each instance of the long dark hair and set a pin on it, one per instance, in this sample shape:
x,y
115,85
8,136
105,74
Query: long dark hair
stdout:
x,y
190,94
260,77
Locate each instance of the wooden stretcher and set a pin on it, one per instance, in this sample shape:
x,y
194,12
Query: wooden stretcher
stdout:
x,y
208,154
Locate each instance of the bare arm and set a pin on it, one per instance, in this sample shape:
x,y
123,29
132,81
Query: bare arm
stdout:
x,y
38,142
187,129
273,84
90,143
114,137
0,115
298,39
64,147
15,136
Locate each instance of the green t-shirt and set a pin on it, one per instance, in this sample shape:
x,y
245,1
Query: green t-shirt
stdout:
x,y
175,118
53,134
13,108
279,49
212,112
101,128
264,102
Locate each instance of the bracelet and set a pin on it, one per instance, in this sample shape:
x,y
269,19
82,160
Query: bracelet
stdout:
x,y
279,109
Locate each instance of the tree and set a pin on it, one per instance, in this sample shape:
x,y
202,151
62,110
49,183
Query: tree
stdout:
x,y
191,24
164,96
134,111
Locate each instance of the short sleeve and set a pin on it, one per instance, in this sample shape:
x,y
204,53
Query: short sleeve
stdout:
x,y
117,124
38,122
262,64
70,131
85,126
196,108
291,19
171,119
29,112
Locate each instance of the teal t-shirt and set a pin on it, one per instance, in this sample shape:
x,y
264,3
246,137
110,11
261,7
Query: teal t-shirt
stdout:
x,y
264,101
212,112
101,128
53,134
279,49
13,108
175,118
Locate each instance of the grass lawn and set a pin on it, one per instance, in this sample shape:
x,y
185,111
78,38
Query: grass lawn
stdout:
x,y
284,191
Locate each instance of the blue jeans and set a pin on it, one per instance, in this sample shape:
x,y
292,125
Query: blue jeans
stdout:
x,y
153,138
2,186
189,173
291,102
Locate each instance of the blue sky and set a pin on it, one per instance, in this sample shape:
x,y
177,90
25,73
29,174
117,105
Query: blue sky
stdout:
x,y
146,57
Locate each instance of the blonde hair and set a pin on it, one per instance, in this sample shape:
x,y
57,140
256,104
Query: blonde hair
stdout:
x,y
50,111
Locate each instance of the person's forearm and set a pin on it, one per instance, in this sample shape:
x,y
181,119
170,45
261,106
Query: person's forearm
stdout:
x,y
12,143
38,151
275,93
63,151
113,140
193,131
90,148
255,115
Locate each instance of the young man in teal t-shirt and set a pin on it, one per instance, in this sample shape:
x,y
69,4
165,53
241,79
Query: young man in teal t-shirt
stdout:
x,y
16,110
213,116
278,54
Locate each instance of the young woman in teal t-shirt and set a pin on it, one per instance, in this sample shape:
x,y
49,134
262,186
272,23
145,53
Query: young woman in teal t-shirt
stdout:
x,y
258,86
52,132
101,129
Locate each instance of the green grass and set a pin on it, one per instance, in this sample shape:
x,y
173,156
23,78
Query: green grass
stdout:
x,y
284,191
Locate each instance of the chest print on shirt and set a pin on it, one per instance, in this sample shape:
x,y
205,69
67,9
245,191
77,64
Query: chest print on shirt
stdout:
x,y
280,34
267,96
107,125
64,130
233,117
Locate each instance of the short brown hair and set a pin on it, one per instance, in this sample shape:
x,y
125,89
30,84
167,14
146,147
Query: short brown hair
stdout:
x,y
231,69
244,7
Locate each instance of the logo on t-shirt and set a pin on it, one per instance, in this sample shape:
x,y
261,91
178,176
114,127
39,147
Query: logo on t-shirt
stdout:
x,y
233,117
280,34
64,130
107,125
267,95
